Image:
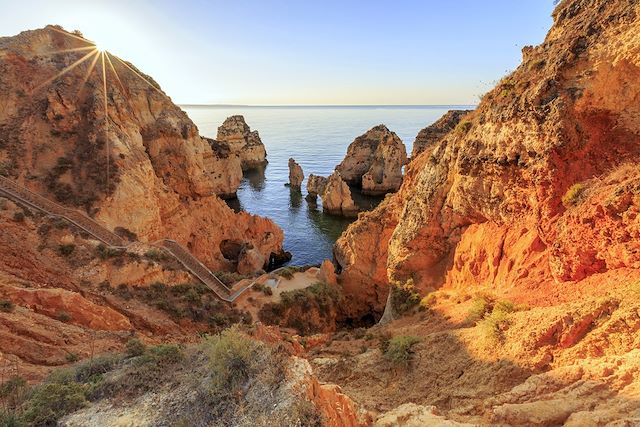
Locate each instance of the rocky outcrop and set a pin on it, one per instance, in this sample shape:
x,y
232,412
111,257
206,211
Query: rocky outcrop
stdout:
x,y
296,175
243,142
374,161
336,199
144,168
316,185
429,136
250,261
485,207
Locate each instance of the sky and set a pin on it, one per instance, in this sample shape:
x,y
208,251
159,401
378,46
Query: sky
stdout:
x,y
304,52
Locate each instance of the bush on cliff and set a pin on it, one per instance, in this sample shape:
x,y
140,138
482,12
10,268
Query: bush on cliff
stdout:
x,y
308,310
404,297
573,195
398,350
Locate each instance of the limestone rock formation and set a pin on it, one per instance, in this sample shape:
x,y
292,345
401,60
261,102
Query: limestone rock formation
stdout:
x,y
374,161
316,185
296,175
243,142
429,136
336,199
532,192
250,261
142,165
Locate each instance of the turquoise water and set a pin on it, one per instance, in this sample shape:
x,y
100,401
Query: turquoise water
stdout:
x,y
317,137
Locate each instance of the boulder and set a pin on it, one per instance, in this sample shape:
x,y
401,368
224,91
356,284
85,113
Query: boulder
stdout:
x,y
296,176
374,161
243,142
429,136
250,261
336,199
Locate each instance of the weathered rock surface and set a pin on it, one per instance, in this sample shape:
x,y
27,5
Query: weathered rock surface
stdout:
x,y
485,207
316,185
429,136
145,169
250,261
374,161
296,175
336,199
243,142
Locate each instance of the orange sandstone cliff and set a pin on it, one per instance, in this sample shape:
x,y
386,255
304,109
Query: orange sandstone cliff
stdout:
x,y
534,189
118,148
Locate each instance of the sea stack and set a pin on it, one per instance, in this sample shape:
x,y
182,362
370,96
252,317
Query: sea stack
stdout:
x,y
374,161
316,185
296,175
336,198
243,142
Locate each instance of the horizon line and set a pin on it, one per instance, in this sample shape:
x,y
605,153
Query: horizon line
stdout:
x,y
324,105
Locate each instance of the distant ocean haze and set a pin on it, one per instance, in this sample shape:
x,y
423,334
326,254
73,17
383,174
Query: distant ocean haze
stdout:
x,y
317,137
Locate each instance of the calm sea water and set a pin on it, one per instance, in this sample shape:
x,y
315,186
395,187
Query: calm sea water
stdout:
x,y
317,137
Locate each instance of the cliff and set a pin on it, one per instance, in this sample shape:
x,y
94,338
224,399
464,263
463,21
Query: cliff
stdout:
x,y
429,136
484,207
118,147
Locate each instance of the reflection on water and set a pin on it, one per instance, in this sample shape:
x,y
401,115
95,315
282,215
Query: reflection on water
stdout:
x,y
295,199
256,178
317,138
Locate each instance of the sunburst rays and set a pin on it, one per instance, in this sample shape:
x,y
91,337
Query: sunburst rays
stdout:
x,y
92,56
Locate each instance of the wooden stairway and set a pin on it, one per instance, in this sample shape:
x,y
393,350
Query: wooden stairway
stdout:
x,y
31,199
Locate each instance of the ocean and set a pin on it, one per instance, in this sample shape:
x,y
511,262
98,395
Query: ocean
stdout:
x,y
317,138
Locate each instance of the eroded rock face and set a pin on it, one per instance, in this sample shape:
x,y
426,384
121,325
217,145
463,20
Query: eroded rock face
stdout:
x,y
485,206
296,175
316,185
148,171
336,199
243,142
250,261
429,136
374,161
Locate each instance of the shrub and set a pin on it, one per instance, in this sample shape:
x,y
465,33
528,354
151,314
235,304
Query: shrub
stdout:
x,y
287,273
52,400
399,349
6,306
18,217
232,358
66,250
428,301
573,195
156,255
105,252
72,357
404,297
493,324
135,347
479,307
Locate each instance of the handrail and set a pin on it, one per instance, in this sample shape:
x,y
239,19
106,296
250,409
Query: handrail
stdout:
x,y
183,256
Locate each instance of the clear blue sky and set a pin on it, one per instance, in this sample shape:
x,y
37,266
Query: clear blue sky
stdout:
x,y
304,52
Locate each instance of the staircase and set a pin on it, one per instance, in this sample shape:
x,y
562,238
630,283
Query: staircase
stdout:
x,y
27,197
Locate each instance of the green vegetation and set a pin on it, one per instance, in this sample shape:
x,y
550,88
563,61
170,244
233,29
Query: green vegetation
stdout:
x,y
265,289
18,217
295,307
229,278
404,297
573,195
398,350
479,307
193,301
105,252
135,347
288,272
156,255
428,301
66,250
6,306
494,323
